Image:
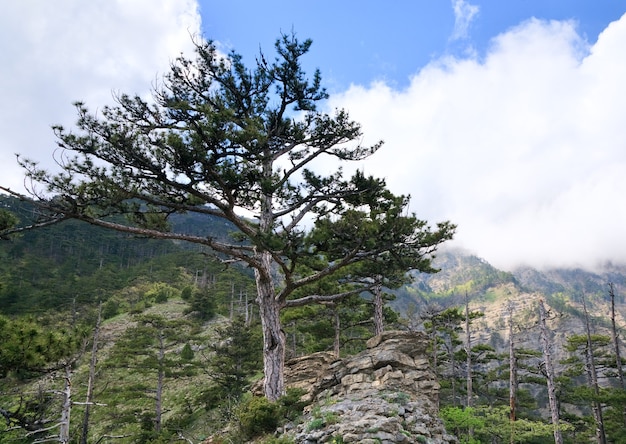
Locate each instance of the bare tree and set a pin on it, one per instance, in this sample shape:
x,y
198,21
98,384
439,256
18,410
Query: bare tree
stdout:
x,y
615,339
64,425
512,369
468,350
592,375
91,378
549,370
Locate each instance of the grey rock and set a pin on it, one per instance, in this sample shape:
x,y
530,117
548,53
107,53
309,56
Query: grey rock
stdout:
x,y
385,394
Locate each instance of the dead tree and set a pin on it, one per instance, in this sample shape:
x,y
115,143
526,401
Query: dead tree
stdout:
x,y
549,369
512,370
592,376
91,379
615,339
468,350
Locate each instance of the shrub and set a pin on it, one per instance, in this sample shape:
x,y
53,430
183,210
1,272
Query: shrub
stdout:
x,y
315,424
257,415
291,405
110,308
186,293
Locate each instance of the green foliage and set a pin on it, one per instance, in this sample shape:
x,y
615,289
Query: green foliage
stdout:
x,y
7,219
492,424
29,349
161,292
321,419
224,132
291,403
277,440
34,353
186,293
203,304
187,354
236,356
139,365
110,308
257,415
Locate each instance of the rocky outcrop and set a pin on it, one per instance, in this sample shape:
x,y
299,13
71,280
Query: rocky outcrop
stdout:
x,y
385,394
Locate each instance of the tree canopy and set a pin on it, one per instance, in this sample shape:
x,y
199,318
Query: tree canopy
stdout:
x,y
239,144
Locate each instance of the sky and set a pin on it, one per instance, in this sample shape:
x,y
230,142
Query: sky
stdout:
x,y
506,118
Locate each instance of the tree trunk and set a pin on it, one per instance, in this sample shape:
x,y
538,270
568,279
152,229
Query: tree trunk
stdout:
x,y
450,348
615,339
435,344
512,375
468,351
92,376
593,380
246,307
273,336
64,428
232,301
337,340
158,407
378,308
547,358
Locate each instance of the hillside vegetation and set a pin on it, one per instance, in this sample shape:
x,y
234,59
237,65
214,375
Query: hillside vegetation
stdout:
x,y
177,347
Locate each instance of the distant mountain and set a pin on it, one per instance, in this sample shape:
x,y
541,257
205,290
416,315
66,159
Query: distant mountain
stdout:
x,y
462,273
492,291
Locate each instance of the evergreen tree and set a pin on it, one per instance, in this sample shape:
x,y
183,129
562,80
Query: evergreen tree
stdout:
x,y
147,350
28,351
219,138
234,357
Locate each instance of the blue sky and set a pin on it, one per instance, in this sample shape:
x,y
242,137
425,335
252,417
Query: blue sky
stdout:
x,y
505,117
363,41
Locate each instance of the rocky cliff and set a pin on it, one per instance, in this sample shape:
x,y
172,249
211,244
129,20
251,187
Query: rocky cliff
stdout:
x,y
385,394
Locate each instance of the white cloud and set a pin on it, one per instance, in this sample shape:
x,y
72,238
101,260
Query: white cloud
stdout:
x,y
464,13
523,148
55,53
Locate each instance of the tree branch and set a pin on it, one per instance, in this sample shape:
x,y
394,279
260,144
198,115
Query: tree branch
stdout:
x,y
319,299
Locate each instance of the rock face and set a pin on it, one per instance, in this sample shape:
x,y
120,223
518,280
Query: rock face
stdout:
x,y
385,394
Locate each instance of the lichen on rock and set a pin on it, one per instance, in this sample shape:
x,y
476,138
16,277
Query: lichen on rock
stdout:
x,y
385,394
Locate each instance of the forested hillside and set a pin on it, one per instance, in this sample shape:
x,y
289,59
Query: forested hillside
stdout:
x,y
169,338
168,335
498,314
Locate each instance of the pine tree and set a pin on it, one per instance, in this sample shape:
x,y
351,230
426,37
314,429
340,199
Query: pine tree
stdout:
x,y
234,357
147,351
220,138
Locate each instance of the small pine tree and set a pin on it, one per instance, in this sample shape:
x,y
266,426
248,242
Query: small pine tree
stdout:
x,y
236,356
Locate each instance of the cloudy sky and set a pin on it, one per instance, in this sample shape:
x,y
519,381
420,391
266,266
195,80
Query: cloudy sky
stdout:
x,y
507,118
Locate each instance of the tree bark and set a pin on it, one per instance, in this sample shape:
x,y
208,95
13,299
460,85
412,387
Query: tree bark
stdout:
x,y
616,348
378,308
512,373
468,351
64,428
92,376
593,379
547,358
337,340
273,336
450,349
158,405
615,339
